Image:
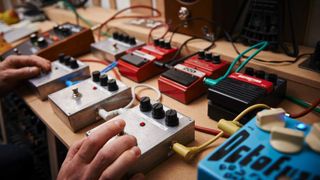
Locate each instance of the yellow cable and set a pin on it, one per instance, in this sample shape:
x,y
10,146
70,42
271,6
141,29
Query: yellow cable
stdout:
x,y
228,127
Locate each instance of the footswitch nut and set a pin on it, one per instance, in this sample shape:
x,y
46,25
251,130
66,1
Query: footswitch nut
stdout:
x,y
77,105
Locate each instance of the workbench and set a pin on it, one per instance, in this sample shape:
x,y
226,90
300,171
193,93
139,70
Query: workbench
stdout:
x,y
301,83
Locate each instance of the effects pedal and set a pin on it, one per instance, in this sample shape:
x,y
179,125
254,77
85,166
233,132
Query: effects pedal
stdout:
x,y
252,153
66,38
184,82
77,105
238,91
138,64
66,68
155,127
113,48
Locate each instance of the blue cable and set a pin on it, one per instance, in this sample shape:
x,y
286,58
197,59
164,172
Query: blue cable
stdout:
x,y
70,83
109,67
262,45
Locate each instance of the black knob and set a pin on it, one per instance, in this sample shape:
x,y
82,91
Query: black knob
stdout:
x,y
172,118
104,80
74,63
66,31
16,51
126,39
120,37
33,38
201,54
67,60
112,85
161,43
132,41
273,78
56,28
208,55
167,45
260,74
216,59
61,57
145,105
156,42
42,42
95,76
115,35
249,71
157,111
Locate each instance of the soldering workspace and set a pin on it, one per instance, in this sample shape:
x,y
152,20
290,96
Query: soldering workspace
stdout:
x,y
159,89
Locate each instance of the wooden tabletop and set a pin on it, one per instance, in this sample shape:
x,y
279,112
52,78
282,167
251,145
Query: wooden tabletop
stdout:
x,y
175,167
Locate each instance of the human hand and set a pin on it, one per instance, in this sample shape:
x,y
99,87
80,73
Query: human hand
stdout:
x,y
94,158
15,69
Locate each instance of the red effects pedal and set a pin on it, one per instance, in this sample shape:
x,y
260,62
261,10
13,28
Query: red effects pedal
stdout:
x,y
184,82
138,64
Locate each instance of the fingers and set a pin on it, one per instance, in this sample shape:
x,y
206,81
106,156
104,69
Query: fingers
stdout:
x,y
22,61
93,143
20,74
119,167
109,153
73,150
138,176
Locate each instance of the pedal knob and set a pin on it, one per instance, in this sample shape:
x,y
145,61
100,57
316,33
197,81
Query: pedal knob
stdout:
x,y
42,42
104,80
74,63
156,42
33,38
216,59
161,43
167,45
67,60
145,105
201,54
208,55
249,71
132,41
120,37
66,31
172,118
112,85
95,76
260,74
273,78
157,111
115,35
126,39
61,57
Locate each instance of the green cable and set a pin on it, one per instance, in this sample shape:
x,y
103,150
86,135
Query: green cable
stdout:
x,y
262,45
74,10
301,103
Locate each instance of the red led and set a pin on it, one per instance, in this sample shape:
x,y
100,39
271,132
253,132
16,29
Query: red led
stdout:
x,y
94,87
55,38
142,124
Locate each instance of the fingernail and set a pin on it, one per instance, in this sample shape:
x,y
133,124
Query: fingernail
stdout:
x,y
136,151
120,123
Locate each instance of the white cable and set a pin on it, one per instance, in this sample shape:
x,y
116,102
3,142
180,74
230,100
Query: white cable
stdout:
x,y
106,115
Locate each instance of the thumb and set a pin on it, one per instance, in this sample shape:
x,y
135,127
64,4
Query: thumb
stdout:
x,y
23,73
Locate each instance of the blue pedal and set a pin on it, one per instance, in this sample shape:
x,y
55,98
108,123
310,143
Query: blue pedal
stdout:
x,y
248,155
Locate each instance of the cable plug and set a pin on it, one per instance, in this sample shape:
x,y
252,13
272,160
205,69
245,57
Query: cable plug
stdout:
x,y
229,127
186,152
107,115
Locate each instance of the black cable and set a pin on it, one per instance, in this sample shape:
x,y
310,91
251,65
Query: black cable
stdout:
x,y
229,38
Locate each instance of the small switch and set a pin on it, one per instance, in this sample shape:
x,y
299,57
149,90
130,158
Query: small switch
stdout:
x,y
145,105
249,71
167,45
95,76
273,78
172,118
157,111
112,85
74,63
104,80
